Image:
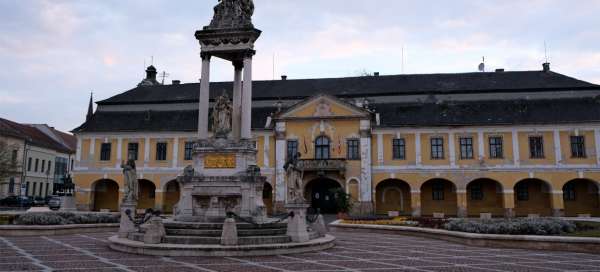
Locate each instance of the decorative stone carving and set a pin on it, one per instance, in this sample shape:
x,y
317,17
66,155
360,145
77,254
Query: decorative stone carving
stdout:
x,y
154,230
229,236
222,116
131,182
323,109
294,176
232,14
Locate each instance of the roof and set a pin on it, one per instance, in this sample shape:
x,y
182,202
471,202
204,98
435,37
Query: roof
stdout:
x,y
364,86
36,137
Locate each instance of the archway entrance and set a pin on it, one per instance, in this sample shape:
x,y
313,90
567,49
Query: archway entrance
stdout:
x,y
268,197
147,194
392,195
438,196
319,193
171,196
485,196
106,195
532,196
581,197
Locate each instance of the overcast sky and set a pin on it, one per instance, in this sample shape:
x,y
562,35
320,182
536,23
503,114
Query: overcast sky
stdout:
x,y
55,52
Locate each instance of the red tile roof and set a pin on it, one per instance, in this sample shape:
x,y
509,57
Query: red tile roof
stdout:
x,y
38,138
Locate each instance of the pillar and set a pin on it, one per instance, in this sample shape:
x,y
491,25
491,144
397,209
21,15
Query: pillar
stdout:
x,y
237,99
415,202
558,203
246,118
508,197
461,203
366,185
204,98
280,150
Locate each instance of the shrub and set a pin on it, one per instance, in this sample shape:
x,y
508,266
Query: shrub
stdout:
x,y
65,218
520,226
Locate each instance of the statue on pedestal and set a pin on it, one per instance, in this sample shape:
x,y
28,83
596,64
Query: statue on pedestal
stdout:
x,y
222,116
294,176
232,14
131,182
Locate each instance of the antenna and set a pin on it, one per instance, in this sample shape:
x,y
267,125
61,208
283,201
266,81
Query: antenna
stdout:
x,y
482,65
164,75
545,52
151,60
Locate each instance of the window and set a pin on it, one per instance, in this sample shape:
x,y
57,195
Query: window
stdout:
x,y
37,162
14,156
105,152
292,148
132,151
536,147
11,185
189,151
522,191
578,147
27,189
322,148
29,164
49,166
476,191
466,148
353,149
43,165
437,148
72,163
161,151
437,191
34,189
569,192
398,149
496,150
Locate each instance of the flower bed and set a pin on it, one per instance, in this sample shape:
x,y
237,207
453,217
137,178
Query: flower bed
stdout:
x,y
517,226
424,222
65,218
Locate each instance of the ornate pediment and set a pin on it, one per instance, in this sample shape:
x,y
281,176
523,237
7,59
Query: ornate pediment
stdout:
x,y
323,106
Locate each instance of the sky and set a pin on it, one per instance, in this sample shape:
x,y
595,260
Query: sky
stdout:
x,y
55,52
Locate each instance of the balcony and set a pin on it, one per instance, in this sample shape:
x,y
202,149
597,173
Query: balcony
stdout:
x,y
323,166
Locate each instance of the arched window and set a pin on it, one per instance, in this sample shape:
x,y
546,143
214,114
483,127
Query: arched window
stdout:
x,y
322,148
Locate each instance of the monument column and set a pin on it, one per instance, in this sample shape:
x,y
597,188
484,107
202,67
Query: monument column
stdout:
x,y
237,99
204,97
246,119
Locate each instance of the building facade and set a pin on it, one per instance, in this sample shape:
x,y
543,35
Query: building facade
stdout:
x,y
506,143
44,156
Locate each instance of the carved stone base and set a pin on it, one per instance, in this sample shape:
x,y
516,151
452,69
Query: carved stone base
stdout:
x,y
297,228
67,204
229,236
126,226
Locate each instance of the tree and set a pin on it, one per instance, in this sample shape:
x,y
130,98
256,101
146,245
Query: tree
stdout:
x,y
8,159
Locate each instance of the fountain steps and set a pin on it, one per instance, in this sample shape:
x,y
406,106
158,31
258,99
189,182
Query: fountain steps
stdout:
x,y
217,232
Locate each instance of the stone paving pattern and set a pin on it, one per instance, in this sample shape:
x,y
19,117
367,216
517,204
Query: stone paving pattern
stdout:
x,y
354,252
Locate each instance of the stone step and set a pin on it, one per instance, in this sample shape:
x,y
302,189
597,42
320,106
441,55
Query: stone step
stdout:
x,y
217,232
212,226
248,240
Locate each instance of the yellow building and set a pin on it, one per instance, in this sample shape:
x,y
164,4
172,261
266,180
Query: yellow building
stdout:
x,y
506,143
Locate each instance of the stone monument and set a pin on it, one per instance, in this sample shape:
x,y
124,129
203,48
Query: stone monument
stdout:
x,y
129,202
295,203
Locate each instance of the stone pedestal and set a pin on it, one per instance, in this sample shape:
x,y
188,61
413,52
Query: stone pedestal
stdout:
x,y
297,228
126,225
67,204
319,226
229,236
154,231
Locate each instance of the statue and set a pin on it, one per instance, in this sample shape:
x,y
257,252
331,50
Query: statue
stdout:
x,y
222,116
232,14
294,175
131,182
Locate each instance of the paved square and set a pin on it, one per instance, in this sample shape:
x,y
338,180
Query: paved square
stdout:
x,y
355,251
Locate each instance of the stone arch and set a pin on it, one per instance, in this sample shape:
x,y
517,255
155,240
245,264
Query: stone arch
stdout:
x,y
485,195
581,197
105,195
318,192
438,196
533,197
147,194
393,195
267,196
171,194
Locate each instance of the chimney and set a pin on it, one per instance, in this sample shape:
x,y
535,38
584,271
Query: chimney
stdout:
x,y
376,74
176,82
283,77
500,70
546,66
151,73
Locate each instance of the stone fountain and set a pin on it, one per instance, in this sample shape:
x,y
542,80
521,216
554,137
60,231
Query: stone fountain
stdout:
x,y
221,210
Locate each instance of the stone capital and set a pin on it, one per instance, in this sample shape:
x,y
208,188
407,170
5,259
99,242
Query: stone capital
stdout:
x,y
238,65
205,56
248,54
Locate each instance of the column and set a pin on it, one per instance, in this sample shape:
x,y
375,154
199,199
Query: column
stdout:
x,y
204,98
146,151
175,152
557,151
480,144
237,99
246,132
77,154
366,185
452,149
515,146
92,150
119,152
461,203
597,145
280,149
266,151
508,197
380,149
415,202
558,204
418,156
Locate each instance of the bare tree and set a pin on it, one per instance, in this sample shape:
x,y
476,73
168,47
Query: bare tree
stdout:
x,y
8,160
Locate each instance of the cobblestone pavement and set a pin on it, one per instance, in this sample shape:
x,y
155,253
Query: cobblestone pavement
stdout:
x,y
354,252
